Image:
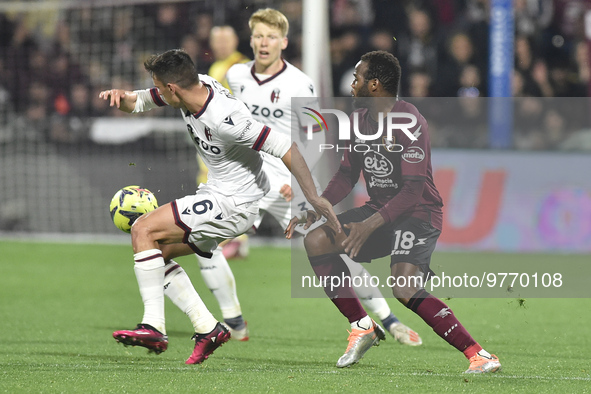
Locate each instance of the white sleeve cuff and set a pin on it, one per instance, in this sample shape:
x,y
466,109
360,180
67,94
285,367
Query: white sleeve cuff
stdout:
x,y
276,144
147,99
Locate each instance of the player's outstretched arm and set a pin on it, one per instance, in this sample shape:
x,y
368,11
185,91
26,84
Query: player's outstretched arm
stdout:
x,y
123,99
294,161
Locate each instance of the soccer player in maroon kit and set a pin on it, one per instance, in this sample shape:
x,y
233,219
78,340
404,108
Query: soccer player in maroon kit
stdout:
x,y
403,217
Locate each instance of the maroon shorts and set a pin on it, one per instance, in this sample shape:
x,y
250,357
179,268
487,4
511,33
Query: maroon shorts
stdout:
x,y
407,240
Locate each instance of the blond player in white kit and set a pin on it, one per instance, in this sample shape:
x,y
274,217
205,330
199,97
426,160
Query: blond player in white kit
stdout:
x,y
228,140
266,85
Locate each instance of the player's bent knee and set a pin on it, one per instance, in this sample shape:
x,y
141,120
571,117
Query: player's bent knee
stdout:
x,y
404,294
141,233
312,242
317,242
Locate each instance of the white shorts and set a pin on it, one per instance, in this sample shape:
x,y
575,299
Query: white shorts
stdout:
x,y
275,205
208,218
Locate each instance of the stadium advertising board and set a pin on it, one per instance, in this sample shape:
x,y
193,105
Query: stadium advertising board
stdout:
x,y
512,202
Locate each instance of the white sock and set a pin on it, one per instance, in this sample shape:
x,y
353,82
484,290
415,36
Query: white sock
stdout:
x,y
219,278
370,296
179,289
379,306
362,324
149,271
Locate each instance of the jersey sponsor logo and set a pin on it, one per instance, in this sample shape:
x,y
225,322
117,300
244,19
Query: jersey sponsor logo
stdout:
x,y
377,164
257,110
382,183
245,130
202,144
413,154
275,96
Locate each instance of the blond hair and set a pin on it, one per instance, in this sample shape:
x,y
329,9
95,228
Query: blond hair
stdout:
x,y
270,17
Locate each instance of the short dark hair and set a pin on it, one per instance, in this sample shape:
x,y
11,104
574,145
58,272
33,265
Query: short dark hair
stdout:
x,y
173,66
385,67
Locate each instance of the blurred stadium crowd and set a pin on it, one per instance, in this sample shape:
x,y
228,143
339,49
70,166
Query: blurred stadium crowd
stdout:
x,y
54,61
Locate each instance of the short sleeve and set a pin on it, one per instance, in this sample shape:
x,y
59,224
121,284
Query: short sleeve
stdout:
x,y
240,128
415,155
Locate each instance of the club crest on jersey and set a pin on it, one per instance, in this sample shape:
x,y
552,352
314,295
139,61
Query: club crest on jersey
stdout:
x,y
275,96
207,133
389,143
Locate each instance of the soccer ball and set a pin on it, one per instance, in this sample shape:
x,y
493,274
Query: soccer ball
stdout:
x,y
130,203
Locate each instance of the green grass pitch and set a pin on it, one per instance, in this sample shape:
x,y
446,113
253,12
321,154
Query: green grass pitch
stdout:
x,y
60,303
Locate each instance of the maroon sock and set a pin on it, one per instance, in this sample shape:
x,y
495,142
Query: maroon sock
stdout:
x,y
443,321
329,268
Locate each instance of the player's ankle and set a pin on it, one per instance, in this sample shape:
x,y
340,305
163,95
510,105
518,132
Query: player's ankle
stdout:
x,y
364,323
235,323
472,350
388,321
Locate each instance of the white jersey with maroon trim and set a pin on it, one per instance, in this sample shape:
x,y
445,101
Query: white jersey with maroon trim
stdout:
x,y
269,102
228,140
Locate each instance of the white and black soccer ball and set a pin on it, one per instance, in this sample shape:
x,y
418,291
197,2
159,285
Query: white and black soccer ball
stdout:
x,y
128,204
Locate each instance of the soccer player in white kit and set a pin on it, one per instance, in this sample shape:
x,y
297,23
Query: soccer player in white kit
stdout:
x,y
229,141
266,85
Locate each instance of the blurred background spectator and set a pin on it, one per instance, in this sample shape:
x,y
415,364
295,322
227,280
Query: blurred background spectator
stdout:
x,y
52,63
223,42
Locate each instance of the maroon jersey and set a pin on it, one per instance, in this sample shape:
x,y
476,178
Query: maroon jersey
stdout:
x,y
397,172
